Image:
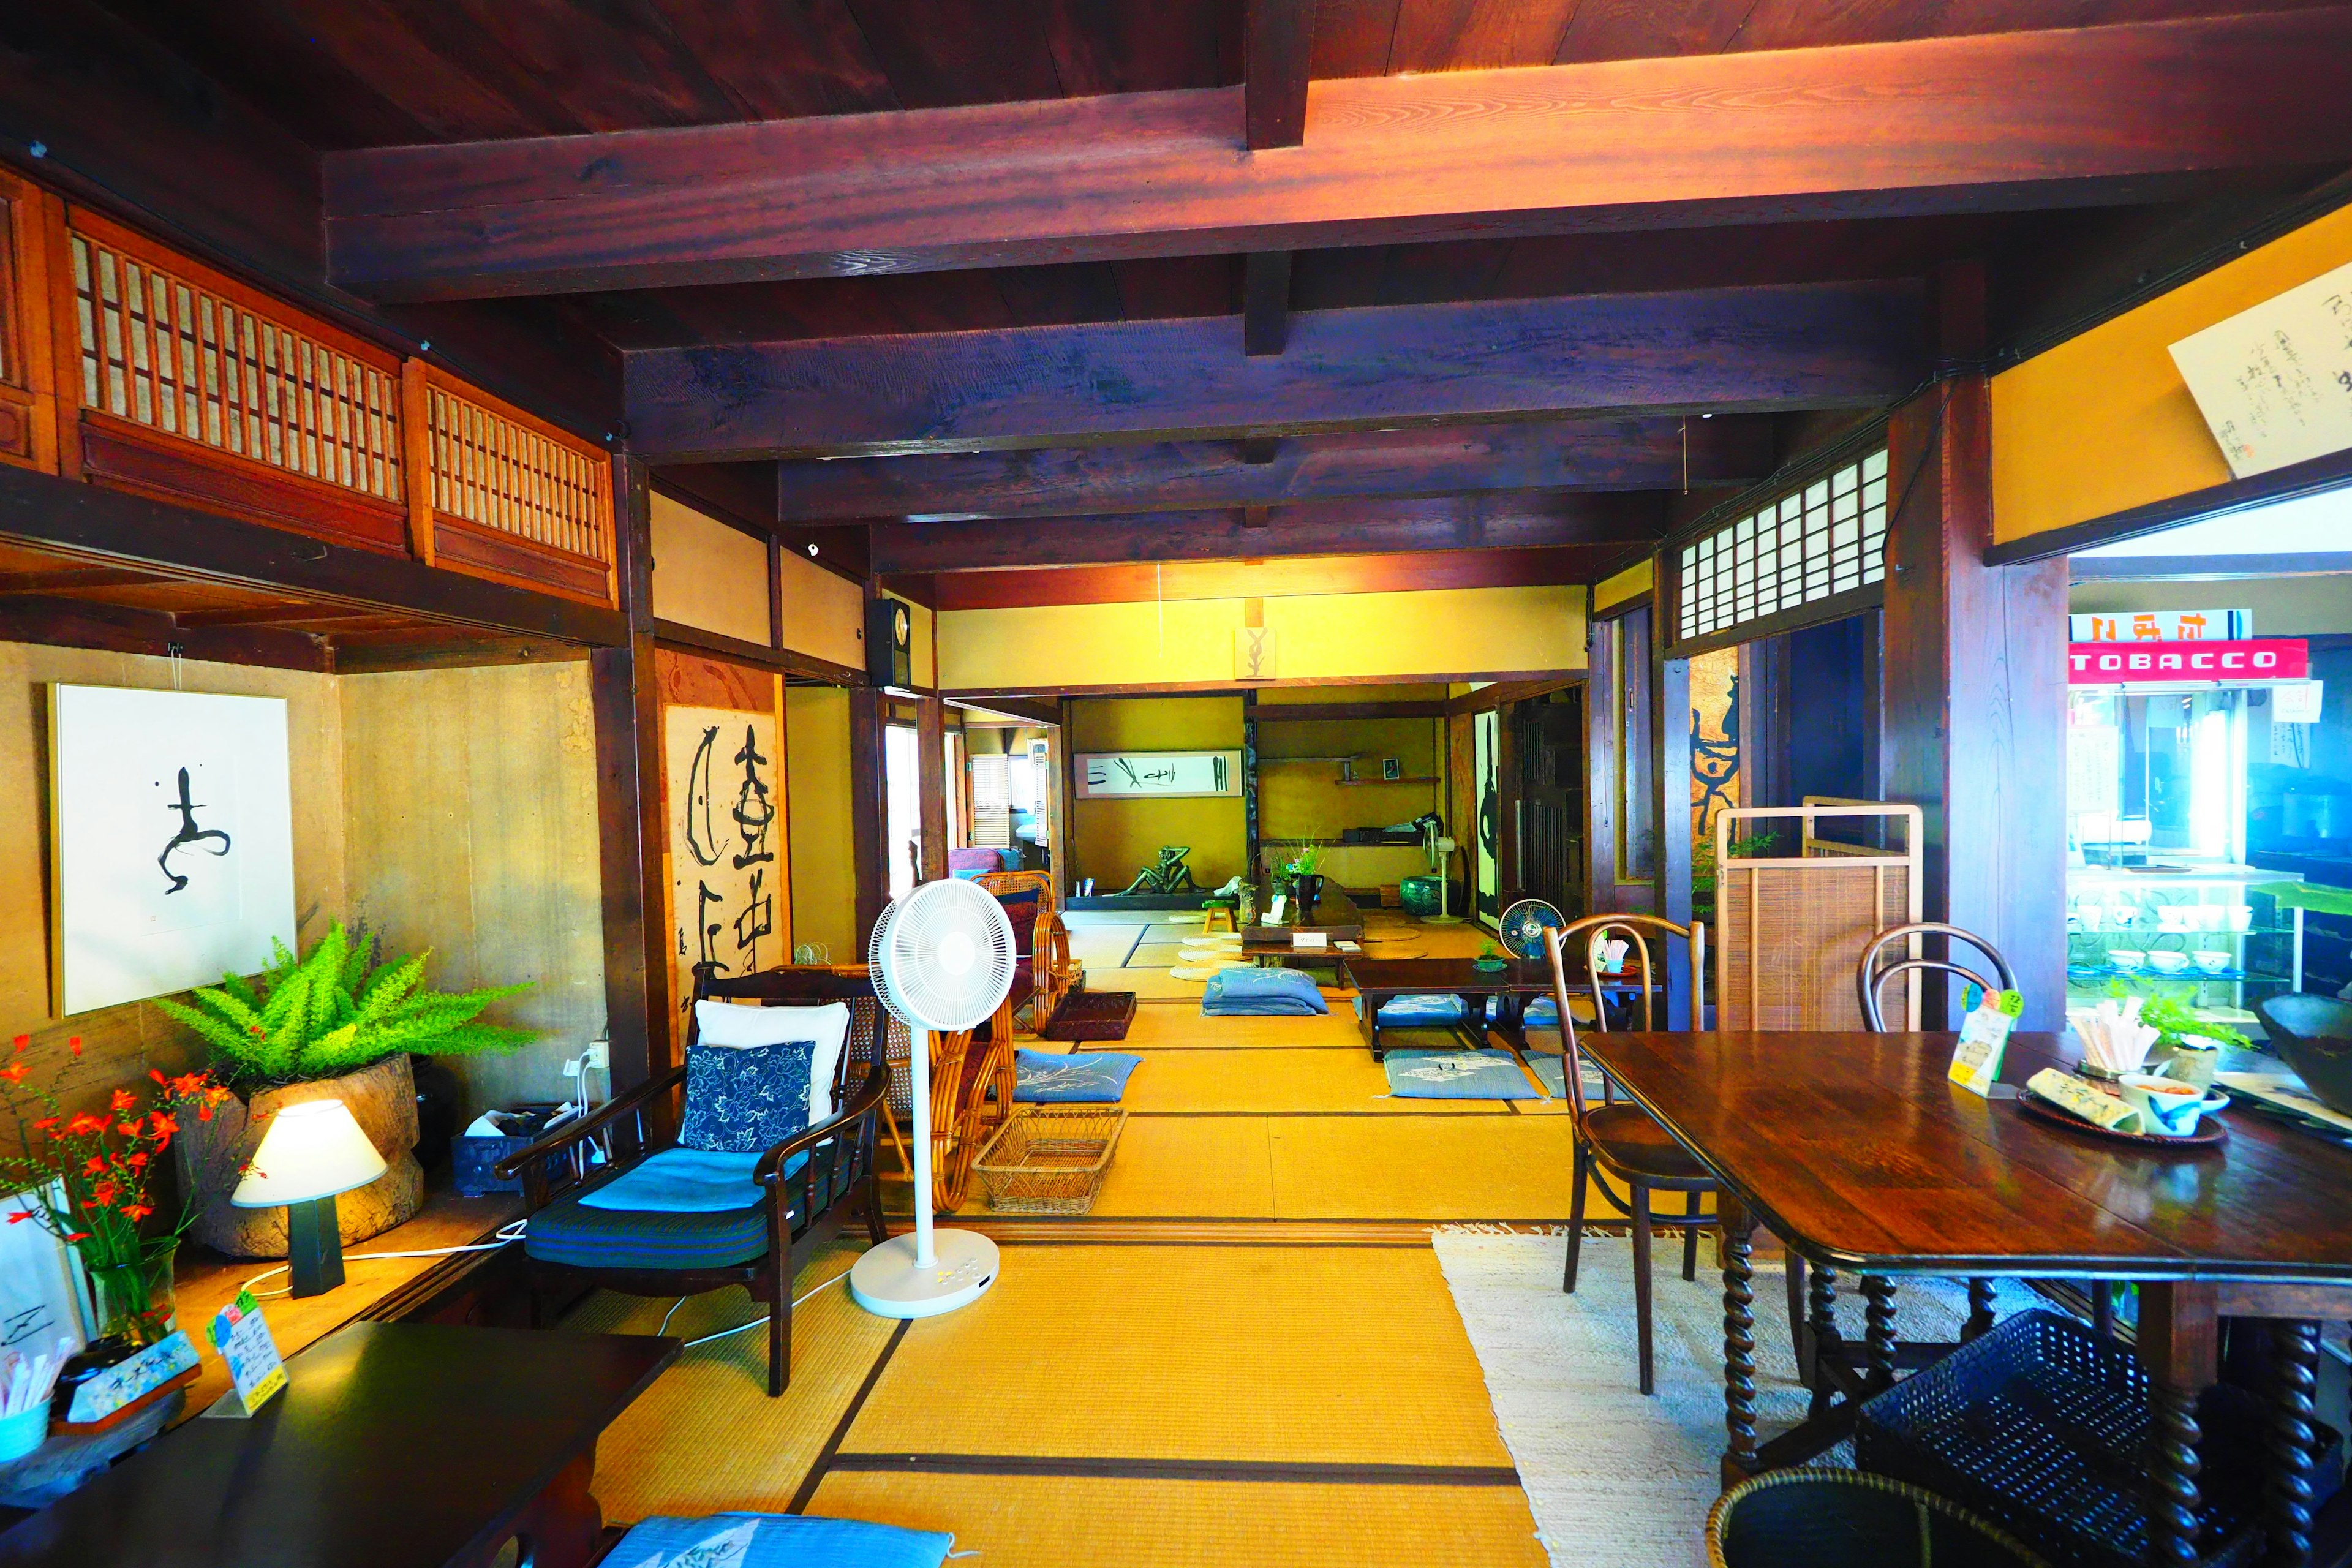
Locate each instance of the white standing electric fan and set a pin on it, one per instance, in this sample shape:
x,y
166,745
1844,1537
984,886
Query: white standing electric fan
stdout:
x,y
1439,849
941,958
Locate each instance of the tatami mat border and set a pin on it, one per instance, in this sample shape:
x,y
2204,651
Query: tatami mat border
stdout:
x,y
1090,1466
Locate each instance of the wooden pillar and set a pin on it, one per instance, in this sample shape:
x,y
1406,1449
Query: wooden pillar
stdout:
x,y
1670,730
627,702
1973,718
868,826
931,775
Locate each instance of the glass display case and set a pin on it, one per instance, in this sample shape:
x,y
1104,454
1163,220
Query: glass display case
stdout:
x,y
2207,938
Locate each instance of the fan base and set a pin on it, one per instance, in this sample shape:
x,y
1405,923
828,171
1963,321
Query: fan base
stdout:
x,y
886,1283
1441,919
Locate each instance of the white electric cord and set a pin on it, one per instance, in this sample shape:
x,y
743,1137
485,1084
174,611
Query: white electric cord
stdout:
x,y
511,1232
754,1322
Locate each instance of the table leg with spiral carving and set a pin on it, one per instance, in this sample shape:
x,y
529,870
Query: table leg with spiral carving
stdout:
x,y
1820,1323
1738,1344
2179,1342
2294,1369
1878,1326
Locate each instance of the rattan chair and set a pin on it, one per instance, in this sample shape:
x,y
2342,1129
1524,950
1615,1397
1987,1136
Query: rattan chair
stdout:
x,y
1044,975
1620,1141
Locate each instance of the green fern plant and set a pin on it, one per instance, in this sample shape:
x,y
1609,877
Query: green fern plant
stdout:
x,y
334,1011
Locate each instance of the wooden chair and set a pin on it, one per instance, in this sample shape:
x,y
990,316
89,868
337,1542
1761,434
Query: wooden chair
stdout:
x,y
570,1247
1870,978
1044,974
1620,1141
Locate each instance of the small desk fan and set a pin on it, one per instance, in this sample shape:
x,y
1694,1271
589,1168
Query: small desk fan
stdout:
x,y
941,958
1521,929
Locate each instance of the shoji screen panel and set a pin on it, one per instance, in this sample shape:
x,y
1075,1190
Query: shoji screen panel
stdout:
x,y
28,408
503,495
183,384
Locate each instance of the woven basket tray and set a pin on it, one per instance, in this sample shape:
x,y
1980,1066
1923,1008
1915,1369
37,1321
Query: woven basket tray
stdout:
x,y
1050,1160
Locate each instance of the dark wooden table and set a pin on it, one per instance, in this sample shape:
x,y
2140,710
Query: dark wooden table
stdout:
x,y
394,1445
1857,1152
1335,915
1382,980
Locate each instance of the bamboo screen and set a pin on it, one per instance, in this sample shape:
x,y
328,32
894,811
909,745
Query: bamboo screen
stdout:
x,y
497,472
169,353
1790,931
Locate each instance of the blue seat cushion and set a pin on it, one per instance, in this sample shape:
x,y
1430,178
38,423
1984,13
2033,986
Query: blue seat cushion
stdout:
x,y
1405,1011
777,1540
1244,992
1079,1078
569,1231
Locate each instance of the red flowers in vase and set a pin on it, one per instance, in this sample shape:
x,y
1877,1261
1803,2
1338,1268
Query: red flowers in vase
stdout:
x,y
90,1174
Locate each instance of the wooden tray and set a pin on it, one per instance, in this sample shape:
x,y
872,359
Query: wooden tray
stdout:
x,y
2209,1129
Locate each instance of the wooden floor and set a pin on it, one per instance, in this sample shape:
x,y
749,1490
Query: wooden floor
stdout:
x,y
1246,1353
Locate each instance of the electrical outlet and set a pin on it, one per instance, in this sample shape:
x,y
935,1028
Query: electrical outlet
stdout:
x,y
600,1055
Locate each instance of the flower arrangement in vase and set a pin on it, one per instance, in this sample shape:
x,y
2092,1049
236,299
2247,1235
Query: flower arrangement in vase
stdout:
x,y
91,1177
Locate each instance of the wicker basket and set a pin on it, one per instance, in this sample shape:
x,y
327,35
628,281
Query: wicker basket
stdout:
x,y
1051,1159
1846,1519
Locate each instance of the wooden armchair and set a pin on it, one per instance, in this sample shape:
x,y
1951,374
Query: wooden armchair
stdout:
x,y
570,1246
1044,974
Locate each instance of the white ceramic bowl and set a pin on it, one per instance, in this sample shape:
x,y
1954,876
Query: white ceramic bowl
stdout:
x,y
2212,960
2175,917
2169,963
2126,960
2166,1108
2210,916
2241,917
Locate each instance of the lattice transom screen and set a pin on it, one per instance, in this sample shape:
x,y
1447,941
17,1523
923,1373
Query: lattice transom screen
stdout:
x,y
499,473
1828,538
169,354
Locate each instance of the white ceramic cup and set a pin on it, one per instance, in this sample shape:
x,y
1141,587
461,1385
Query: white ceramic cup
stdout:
x,y
2123,916
2175,917
2166,1108
2093,916
2241,917
2126,959
2169,963
2211,960
2210,916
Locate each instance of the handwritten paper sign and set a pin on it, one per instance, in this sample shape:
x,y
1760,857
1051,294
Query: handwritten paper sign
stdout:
x,y
729,906
242,1336
1159,773
2275,382
2161,625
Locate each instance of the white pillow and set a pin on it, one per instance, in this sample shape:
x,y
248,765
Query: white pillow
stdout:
x,y
738,1024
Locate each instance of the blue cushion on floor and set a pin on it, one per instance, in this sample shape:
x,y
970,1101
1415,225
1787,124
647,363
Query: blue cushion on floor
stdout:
x,y
1457,1075
777,1540
1078,1078
1243,992
1407,1011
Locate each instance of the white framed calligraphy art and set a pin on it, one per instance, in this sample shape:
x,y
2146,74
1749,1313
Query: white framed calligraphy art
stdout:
x,y
172,826
1163,774
728,904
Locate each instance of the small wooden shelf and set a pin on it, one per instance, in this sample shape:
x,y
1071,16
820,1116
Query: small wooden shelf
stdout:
x,y
1350,757
1411,779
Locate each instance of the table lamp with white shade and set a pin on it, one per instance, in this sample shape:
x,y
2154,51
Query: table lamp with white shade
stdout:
x,y
311,1152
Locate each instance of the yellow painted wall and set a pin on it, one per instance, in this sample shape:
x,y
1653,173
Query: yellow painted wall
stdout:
x,y
1112,840
470,814
825,614
119,1044
1633,580
1331,637
919,636
2103,422
1306,800
825,885
708,574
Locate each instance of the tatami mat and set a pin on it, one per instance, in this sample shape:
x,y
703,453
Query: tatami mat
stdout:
x,y
1501,1166
1271,1078
1054,1522
1255,1354
1103,946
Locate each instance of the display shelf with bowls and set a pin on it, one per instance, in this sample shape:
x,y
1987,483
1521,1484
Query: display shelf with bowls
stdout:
x,y
2208,941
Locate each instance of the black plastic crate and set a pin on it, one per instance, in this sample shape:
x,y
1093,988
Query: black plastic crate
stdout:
x,y
2042,1425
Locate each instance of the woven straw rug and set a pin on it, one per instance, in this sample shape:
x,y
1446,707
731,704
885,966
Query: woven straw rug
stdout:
x,y
1613,1477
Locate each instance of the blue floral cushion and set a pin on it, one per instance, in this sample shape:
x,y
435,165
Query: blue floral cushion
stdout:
x,y
743,1099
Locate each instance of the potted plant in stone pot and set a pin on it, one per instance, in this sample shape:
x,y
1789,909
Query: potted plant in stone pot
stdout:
x,y
331,1025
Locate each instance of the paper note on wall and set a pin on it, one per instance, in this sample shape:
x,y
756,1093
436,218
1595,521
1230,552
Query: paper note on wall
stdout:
x,y
2275,382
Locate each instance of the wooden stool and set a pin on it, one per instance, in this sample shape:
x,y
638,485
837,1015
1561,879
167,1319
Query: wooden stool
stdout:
x,y
1216,919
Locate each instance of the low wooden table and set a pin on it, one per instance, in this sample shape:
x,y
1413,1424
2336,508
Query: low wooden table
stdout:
x,y
394,1445
1855,1151
1378,981
1335,915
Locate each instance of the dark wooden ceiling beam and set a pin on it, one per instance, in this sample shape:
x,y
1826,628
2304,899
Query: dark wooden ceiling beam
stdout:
x,y
1197,476
89,520
123,628
1428,526
2007,121
1281,37
1728,350
325,617
70,580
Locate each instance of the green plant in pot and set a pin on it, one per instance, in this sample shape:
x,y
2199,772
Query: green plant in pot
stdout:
x,y
335,1023
1304,869
1490,957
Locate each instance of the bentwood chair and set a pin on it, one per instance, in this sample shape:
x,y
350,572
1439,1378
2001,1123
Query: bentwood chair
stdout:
x,y
1618,1140
1870,978
803,1194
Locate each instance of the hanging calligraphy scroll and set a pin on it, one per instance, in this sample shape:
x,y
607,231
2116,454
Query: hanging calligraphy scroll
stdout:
x,y
728,908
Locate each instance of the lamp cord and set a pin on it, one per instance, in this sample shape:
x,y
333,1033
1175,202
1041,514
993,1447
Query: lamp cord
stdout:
x,y
511,1232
